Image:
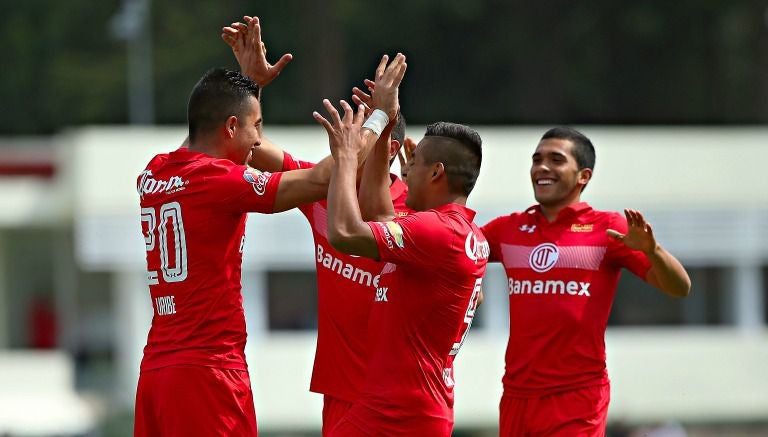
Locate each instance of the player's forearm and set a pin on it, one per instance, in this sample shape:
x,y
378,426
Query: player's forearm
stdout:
x,y
345,224
373,195
667,274
268,157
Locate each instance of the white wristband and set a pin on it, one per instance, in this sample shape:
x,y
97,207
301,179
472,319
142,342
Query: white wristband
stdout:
x,y
377,121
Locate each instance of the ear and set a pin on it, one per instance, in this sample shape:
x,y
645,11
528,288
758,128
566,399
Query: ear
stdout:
x,y
585,175
438,169
230,126
394,147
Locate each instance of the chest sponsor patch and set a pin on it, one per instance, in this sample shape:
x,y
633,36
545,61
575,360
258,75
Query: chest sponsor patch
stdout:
x,y
578,227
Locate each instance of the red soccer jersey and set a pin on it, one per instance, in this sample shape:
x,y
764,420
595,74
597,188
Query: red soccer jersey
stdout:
x,y
422,311
346,286
193,212
562,279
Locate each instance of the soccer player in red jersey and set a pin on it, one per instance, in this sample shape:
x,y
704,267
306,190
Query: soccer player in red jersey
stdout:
x,y
346,284
563,261
194,378
435,259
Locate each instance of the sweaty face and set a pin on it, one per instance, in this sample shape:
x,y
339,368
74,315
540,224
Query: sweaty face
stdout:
x,y
555,174
247,134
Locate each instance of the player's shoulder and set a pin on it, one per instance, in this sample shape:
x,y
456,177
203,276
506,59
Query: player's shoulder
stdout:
x,y
157,161
510,219
604,216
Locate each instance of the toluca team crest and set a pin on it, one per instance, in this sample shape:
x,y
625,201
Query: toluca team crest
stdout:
x,y
543,257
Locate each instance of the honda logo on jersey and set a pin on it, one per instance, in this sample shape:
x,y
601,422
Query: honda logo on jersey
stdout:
x,y
543,257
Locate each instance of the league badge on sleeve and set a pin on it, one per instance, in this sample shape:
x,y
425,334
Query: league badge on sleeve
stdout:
x,y
397,233
258,179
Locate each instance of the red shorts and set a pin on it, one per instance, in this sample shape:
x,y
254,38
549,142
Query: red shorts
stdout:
x,y
575,413
364,422
194,401
333,411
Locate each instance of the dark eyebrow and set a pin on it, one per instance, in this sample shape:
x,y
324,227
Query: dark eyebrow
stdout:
x,y
556,153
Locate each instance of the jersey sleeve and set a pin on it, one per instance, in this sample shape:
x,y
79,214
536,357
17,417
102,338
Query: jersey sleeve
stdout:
x,y
620,256
414,239
291,163
239,188
492,231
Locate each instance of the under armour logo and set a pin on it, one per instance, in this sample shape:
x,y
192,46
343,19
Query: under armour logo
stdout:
x,y
529,229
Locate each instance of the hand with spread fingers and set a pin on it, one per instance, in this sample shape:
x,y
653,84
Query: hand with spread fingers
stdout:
x,y
386,85
639,234
343,132
360,97
251,52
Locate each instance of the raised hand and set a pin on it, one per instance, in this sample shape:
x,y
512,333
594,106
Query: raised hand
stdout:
x,y
639,234
386,84
251,52
343,133
360,97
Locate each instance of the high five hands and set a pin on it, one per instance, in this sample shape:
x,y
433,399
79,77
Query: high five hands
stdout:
x,y
384,89
251,52
344,134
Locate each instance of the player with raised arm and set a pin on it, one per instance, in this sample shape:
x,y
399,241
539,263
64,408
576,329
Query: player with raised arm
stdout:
x,y
435,259
346,284
563,260
194,201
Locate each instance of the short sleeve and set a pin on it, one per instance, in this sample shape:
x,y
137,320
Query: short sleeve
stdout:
x,y
620,256
291,163
492,231
239,188
414,239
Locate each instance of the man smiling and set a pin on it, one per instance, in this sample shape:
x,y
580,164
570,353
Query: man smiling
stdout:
x,y
563,260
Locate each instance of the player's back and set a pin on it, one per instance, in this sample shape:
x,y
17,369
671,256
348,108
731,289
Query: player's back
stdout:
x,y
193,220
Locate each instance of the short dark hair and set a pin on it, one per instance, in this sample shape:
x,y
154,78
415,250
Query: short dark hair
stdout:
x,y
462,164
218,95
583,150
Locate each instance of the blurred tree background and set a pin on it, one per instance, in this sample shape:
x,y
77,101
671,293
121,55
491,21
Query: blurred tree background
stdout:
x,y
478,62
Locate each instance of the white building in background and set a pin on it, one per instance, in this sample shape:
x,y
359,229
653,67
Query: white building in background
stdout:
x,y
705,191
